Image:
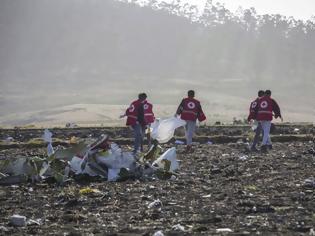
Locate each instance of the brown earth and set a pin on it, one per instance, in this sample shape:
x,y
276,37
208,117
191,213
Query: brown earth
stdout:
x,y
218,186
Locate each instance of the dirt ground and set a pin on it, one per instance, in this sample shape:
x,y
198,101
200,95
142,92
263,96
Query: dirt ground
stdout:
x,y
218,186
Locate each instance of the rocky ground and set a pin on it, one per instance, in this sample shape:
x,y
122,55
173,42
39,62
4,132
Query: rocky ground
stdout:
x,y
220,189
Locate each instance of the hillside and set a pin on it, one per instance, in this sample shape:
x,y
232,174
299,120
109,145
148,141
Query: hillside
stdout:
x,y
61,53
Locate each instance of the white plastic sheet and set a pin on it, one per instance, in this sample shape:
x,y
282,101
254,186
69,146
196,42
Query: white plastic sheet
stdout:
x,y
169,155
163,130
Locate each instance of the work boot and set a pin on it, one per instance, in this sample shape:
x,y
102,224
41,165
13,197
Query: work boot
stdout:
x,y
264,149
253,149
269,146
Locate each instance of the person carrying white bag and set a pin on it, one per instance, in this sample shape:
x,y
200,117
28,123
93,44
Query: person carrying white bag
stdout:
x,y
190,110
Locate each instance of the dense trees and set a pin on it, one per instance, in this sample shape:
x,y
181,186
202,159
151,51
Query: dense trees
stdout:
x,y
76,47
224,44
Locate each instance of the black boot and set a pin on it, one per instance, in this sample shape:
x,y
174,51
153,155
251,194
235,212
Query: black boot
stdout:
x,y
264,149
253,149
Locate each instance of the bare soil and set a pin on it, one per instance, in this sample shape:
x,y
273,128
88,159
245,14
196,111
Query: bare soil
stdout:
x,y
219,185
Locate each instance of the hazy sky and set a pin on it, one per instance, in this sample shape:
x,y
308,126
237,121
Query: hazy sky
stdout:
x,y
299,9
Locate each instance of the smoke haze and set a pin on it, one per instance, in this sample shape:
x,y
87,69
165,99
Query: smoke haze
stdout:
x,y
56,55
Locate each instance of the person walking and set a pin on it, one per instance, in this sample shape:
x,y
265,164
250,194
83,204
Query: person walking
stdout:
x,y
190,110
265,109
136,120
148,117
252,120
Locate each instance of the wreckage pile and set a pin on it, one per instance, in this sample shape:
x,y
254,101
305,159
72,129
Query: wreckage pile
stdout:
x,y
104,160
101,158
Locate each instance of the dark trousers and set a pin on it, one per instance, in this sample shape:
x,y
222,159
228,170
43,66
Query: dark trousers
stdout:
x,y
138,137
258,131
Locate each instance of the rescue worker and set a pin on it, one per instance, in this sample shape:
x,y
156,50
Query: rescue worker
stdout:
x,y
148,117
264,113
190,110
252,118
136,120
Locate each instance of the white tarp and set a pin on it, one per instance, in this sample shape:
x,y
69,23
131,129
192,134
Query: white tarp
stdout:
x,y
163,130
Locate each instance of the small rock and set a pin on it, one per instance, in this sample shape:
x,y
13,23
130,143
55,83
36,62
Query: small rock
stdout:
x,y
178,227
243,158
240,141
296,130
155,204
9,139
3,229
17,220
33,222
173,177
215,170
310,182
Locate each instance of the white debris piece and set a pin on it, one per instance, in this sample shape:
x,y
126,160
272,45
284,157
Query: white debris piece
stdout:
x,y
75,165
224,230
310,182
178,227
19,166
117,160
48,138
179,142
114,159
33,222
155,204
71,125
158,233
169,155
254,125
243,158
50,149
9,139
17,220
163,130
3,229
113,174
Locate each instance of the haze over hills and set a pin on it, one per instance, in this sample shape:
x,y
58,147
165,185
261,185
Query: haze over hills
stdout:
x,y
58,55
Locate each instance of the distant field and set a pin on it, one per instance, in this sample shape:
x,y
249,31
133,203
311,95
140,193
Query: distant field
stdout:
x,y
108,115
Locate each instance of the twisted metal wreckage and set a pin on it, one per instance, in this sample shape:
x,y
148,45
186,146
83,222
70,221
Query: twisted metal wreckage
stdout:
x,y
102,158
